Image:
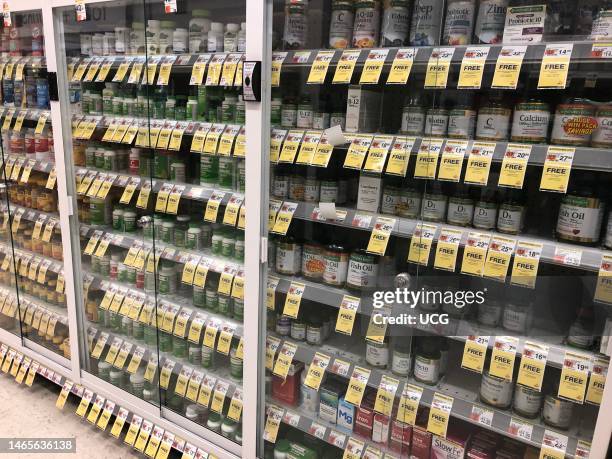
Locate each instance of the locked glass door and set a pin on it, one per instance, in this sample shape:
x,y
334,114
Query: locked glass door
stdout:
x,y
438,263
33,284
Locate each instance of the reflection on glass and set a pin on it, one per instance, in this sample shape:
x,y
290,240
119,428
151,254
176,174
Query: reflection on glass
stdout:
x,y
32,268
394,192
158,157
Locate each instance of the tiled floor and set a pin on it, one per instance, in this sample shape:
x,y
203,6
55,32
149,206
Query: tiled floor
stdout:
x,y
31,412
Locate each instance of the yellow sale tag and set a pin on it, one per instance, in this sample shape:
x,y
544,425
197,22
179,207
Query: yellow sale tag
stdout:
x,y
574,376
226,142
354,449
474,253
154,441
409,404
420,243
31,374
436,75
199,277
380,235
472,67
225,340
452,160
474,353
284,217
357,384
319,67
276,140
130,437
7,120
400,154
120,132
290,146
603,289
193,387
503,356
19,121
143,196
357,152
308,147
439,414
225,282
293,299
284,359
94,412
175,139
195,330
377,154
51,179
597,381
508,67
498,258
532,366
104,69
514,165
316,371
373,66
322,153
385,396
427,158
210,334
277,62
78,74
526,262
479,163
447,249
346,314
212,206
143,436
235,409
402,64
555,66
557,167
82,408
128,192
198,70
206,390
162,197
182,381
24,367
119,422
163,139
40,125
135,73
273,421
346,66
164,74
218,399
215,68
554,446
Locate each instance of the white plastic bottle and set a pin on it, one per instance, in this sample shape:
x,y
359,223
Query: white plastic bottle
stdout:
x,y
242,38
199,26
215,38
230,38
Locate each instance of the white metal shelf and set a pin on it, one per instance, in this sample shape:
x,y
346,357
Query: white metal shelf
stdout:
x,y
457,329
192,191
170,300
464,391
220,373
166,251
533,56
404,227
